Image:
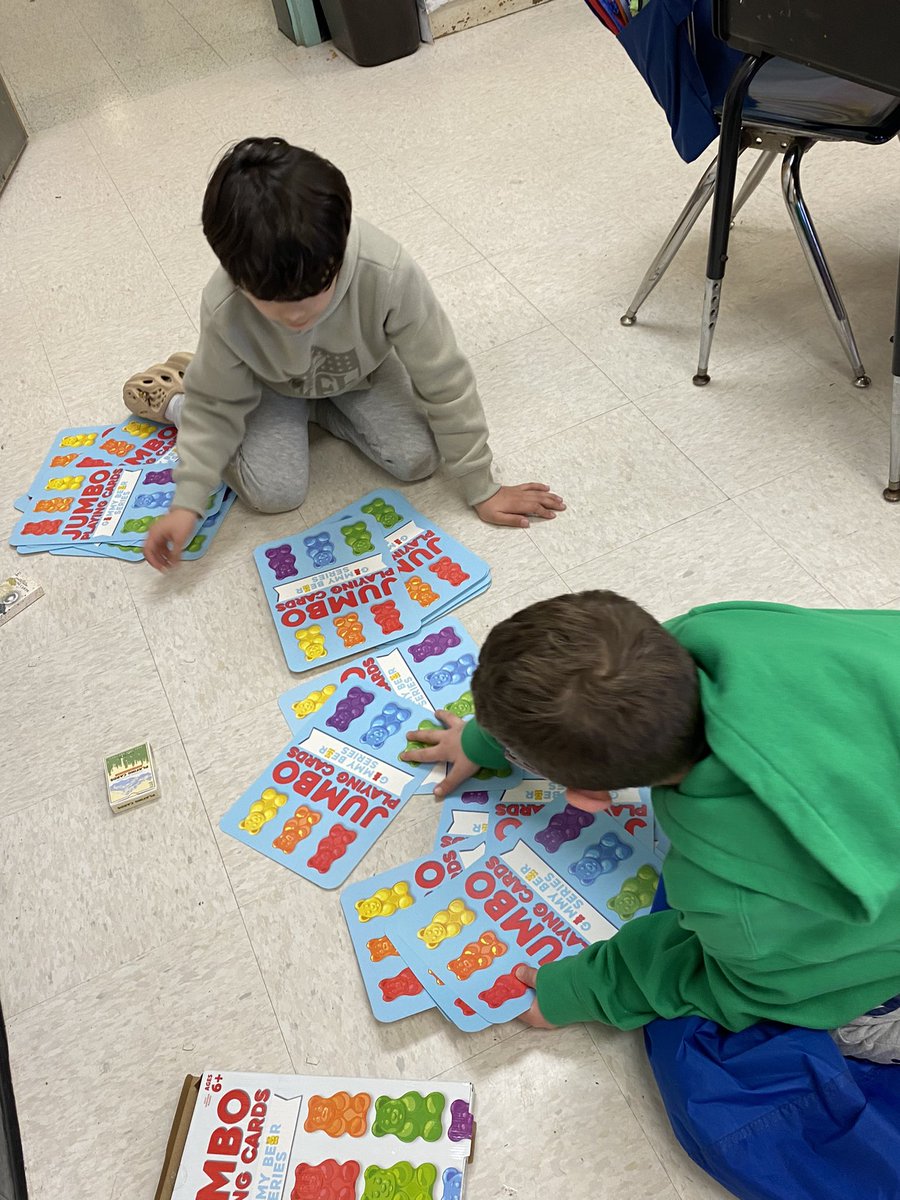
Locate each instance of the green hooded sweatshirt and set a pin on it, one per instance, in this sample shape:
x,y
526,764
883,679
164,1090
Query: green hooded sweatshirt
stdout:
x,y
784,871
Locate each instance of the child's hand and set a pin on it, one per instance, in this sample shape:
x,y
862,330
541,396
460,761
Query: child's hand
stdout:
x,y
443,745
534,1017
167,537
514,505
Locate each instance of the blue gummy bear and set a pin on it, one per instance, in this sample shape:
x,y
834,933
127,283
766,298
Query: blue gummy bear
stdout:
x,y
452,1184
385,725
152,500
452,672
600,859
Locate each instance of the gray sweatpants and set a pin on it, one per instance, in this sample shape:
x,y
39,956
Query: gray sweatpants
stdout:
x,y
270,471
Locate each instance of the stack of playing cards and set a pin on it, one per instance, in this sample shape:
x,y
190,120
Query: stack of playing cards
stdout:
x,y
519,878
101,488
372,574
16,593
131,777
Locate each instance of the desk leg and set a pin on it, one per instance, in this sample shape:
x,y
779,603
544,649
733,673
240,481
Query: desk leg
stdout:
x,y
723,201
892,491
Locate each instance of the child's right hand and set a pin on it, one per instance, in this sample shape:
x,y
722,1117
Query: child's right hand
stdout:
x,y
167,537
443,745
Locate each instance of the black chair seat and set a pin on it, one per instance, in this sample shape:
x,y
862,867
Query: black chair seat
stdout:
x,y
799,100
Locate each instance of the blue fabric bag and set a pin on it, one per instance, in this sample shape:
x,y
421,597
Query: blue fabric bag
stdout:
x,y
688,86
775,1112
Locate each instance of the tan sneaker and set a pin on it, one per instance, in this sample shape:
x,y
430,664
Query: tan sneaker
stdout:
x,y
148,393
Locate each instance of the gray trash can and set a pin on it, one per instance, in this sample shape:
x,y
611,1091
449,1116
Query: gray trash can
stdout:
x,y
372,32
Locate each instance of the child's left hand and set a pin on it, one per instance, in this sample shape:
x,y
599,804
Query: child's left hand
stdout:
x,y
534,1017
514,505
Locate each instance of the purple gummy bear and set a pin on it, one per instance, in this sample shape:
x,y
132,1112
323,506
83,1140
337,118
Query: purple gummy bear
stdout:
x,y
435,643
461,1122
282,562
474,798
158,476
564,827
347,710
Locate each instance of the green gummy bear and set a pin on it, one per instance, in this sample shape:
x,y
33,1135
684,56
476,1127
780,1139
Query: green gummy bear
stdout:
x,y
636,892
196,542
410,745
492,773
385,514
210,502
409,1117
463,706
138,524
357,537
402,1181
127,549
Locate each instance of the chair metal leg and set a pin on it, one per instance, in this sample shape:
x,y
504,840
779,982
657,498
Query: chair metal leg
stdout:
x,y
815,257
753,180
723,203
892,491
687,219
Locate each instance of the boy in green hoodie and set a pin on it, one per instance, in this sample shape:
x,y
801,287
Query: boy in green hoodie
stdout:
x,y
772,736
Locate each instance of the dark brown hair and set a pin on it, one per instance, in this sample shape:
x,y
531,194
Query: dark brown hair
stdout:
x,y
277,218
590,691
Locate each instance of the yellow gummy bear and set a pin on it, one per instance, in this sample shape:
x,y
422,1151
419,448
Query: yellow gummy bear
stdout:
x,y
79,439
312,642
263,810
138,428
65,483
313,702
385,902
446,924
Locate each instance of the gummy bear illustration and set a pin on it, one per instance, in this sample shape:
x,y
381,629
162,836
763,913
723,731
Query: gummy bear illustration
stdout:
x,y
357,537
636,892
263,810
349,629
348,708
296,829
564,827
466,1009
387,617
138,524
152,500
385,514
461,1120
401,1181
65,483
41,528
62,460
139,429
456,671
600,859
320,549
385,902
420,592
282,562
380,948
195,543
446,924
449,571
313,702
504,987
338,1114
57,504
463,706
452,1181
117,447
404,984
388,722
312,642
410,1116
332,847
330,1180
434,644
159,476
477,956
79,439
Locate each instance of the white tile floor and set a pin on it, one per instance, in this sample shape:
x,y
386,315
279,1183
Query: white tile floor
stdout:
x,y
527,167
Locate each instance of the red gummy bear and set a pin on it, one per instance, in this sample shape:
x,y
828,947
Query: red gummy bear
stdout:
x,y
332,847
404,984
387,616
449,571
93,462
330,1180
506,987
465,1009
41,527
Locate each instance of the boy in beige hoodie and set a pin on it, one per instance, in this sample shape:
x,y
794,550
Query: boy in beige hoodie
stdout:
x,y
316,317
